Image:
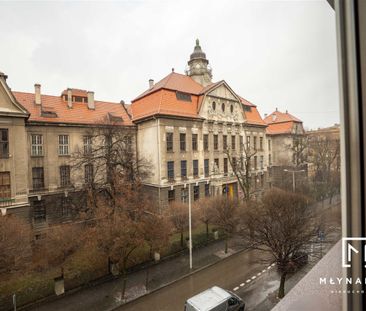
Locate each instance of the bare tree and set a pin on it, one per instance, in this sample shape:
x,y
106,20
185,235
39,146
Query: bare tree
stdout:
x,y
225,216
283,225
108,153
205,212
60,244
15,244
179,218
299,148
242,166
325,156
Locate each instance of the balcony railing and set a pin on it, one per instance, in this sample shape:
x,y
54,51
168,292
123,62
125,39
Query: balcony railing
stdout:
x,y
5,202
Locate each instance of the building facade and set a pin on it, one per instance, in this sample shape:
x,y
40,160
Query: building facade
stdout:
x,y
189,126
191,130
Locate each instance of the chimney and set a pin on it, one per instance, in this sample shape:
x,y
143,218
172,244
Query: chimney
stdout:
x,y
37,94
69,98
151,83
266,115
91,104
286,111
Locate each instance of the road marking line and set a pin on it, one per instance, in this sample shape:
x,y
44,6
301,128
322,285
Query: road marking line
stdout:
x,y
242,284
273,264
248,281
264,271
254,277
269,267
258,274
236,288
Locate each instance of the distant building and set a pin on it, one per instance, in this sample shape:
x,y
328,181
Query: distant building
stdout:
x,y
288,151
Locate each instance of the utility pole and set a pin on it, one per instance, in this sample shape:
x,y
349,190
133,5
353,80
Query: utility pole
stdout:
x,y
293,177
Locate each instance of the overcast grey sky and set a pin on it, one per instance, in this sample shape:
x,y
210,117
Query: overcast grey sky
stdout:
x,y
273,53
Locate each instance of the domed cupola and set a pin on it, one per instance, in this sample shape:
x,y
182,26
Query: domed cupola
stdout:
x,y
198,67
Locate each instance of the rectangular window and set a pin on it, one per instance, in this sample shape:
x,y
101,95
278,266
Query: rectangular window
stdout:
x,y
269,145
65,207
255,142
169,141
196,193
36,145
207,167
5,187
255,162
225,166
183,96
261,160
241,141
224,142
217,164
262,180
195,168
270,160
182,137
194,141
183,169
65,175
171,195
216,142
248,142
233,142
184,195
4,143
39,211
207,190
234,163
205,142
260,143
170,167
89,173
63,144
38,178
87,145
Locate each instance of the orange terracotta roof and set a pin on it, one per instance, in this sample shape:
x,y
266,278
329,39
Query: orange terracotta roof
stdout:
x,y
76,92
277,116
176,82
78,114
280,128
164,102
251,113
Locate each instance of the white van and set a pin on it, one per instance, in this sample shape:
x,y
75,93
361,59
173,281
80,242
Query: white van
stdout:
x,y
215,299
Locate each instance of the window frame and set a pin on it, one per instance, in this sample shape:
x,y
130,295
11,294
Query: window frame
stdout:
x,y
63,147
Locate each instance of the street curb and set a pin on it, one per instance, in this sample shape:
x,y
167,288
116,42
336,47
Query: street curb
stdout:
x,y
179,279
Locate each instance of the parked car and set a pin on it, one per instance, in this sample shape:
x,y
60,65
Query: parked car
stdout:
x,y
215,299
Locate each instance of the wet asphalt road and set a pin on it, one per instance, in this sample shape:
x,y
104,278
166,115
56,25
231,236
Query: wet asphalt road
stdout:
x,y
228,274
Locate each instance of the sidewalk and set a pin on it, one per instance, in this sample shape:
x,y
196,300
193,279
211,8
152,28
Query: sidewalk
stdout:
x,y
107,296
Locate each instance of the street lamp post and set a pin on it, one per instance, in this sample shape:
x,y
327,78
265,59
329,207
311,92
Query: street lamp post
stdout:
x,y
293,177
190,225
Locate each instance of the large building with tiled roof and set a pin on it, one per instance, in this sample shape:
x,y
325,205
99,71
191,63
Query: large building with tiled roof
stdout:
x,y
40,133
186,124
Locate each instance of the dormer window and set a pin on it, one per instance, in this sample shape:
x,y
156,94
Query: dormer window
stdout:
x,y
247,108
114,118
183,96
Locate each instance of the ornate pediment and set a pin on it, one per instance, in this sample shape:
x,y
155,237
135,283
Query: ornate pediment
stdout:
x,y
220,103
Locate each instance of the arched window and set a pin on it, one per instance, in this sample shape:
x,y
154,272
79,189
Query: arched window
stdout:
x,y
214,106
223,107
231,108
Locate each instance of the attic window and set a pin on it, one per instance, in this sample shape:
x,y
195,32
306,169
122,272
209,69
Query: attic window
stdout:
x,y
48,112
80,99
114,118
247,108
183,96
